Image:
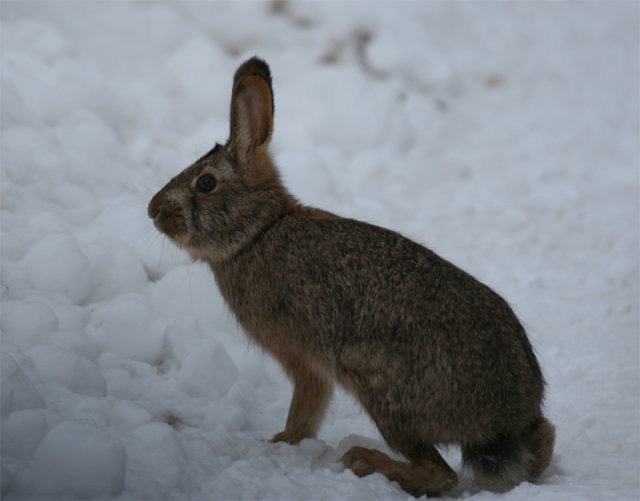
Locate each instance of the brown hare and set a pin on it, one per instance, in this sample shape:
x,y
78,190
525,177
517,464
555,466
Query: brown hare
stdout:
x,y
432,355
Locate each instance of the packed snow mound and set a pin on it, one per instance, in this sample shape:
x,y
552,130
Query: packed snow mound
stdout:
x,y
504,135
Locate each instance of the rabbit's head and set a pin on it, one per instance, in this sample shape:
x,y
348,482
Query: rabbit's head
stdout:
x,y
221,202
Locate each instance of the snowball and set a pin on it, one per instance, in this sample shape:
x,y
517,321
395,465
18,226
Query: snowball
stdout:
x,y
27,323
15,281
51,222
84,132
225,418
14,108
126,219
56,264
207,371
12,245
75,340
89,410
117,269
154,447
17,390
44,40
79,460
63,366
183,332
22,431
130,327
72,317
71,196
18,166
128,414
191,290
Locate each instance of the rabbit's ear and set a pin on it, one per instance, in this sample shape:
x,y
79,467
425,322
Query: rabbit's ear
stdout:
x,y
251,108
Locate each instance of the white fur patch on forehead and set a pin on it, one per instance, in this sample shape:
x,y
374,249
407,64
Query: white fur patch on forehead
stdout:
x,y
215,162
224,167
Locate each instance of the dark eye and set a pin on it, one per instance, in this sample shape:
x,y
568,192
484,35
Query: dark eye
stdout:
x,y
205,183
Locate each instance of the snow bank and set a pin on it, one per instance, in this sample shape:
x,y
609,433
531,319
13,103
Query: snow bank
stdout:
x,y
503,135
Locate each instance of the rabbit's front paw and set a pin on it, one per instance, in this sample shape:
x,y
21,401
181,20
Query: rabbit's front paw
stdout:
x,y
286,436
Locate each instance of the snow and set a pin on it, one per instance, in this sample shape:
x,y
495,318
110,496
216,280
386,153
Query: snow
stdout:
x,y
54,363
207,371
503,135
56,265
27,323
77,459
117,327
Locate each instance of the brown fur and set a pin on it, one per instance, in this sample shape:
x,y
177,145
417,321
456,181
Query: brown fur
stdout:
x,y
433,355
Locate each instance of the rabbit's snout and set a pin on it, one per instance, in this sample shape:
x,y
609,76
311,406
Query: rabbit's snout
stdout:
x,y
167,216
154,206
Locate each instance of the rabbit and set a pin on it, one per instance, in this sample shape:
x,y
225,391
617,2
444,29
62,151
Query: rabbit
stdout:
x,y
434,356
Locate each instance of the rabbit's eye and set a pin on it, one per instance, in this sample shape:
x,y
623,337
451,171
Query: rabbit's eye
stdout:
x,y
205,183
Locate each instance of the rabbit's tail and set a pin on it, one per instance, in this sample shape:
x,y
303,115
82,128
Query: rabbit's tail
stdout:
x,y
505,462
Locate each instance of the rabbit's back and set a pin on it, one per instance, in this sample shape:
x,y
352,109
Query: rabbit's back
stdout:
x,y
415,338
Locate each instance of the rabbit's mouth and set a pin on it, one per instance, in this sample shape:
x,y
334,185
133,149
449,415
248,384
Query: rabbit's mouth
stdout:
x,y
171,227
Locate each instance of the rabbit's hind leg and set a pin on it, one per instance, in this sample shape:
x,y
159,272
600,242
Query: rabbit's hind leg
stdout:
x,y
425,473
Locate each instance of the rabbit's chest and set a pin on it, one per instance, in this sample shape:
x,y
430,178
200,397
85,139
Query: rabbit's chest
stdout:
x,y
276,307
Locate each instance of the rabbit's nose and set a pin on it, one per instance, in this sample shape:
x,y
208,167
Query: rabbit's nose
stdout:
x,y
154,206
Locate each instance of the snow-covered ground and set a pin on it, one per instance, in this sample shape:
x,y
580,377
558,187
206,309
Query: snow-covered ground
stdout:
x,y
505,136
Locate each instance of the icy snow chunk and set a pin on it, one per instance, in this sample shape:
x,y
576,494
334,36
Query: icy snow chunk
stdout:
x,y
63,366
126,218
154,447
42,39
17,390
15,282
183,332
12,244
207,371
75,340
225,417
27,323
130,327
14,109
90,410
22,431
20,167
79,460
56,264
85,135
191,290
128,414
72,317
117,269
50,222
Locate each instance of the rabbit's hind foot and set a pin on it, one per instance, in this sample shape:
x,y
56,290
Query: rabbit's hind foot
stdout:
x,y
426,474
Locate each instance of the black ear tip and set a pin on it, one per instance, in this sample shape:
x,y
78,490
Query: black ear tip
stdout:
x,y
254,67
